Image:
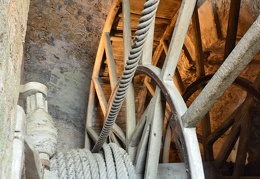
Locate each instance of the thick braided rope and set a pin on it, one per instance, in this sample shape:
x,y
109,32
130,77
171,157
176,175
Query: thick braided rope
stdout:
x,y
62,171
128,163
77,164
101,165
54,163
70,166
113,163
121,171
93,164
148,14
85,163
110,164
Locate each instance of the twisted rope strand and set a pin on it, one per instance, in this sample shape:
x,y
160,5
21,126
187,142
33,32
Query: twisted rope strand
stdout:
x,y
113,163
148,13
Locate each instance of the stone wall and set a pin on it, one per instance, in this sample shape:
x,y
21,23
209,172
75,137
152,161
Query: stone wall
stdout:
x,y
13,19
61,44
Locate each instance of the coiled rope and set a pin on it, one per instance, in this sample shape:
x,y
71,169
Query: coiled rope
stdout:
x,y
145,21
110,163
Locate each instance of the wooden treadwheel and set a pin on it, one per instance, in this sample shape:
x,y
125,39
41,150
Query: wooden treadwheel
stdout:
x,y
239,122
140,134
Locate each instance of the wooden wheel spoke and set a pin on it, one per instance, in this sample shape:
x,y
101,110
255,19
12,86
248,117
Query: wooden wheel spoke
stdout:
x,y
167,144
112,138
141,149
130,98
223,127
246,118
228,145
119,133
110,61
92,133
137,134
100,95
179,33
155,136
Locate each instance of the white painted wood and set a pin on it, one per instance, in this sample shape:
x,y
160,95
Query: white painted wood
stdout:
x,y
155,137
136,136
146,57
177,39
190,136
140,158
130,98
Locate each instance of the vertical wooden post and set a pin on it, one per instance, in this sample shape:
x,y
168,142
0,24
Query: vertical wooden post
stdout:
x,y
130,99
232,27
200,71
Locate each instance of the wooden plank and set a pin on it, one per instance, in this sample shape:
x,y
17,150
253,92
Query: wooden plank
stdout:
x,y
101,96
130,98
179,33
140,157
194,162
168,32
135,20
110,61
232,27
165,9
149,87
119,133
167,145
177,77
92,133
146,57
137,134
200,71
187,54
206,131
239,58
155,135
178,81
157,53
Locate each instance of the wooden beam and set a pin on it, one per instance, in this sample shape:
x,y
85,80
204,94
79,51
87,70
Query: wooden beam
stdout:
x,y
101,96
119,133
177,76
206,131
200,71
228,144
223,127
110,61
232,27
167,144
179,33
130,98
